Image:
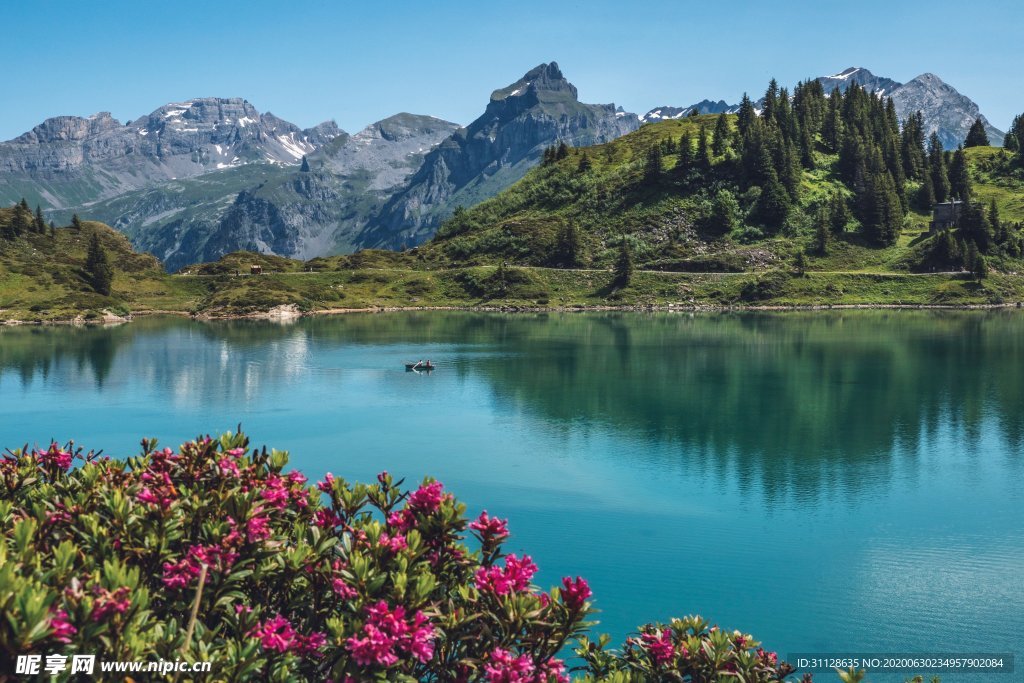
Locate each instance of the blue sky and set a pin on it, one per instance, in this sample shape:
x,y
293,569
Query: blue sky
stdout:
x,y
357,62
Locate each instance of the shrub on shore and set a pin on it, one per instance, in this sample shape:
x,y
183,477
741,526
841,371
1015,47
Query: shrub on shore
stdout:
x,y
215,553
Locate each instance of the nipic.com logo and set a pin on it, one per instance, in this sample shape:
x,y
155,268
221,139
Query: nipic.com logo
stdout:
x,y
53,665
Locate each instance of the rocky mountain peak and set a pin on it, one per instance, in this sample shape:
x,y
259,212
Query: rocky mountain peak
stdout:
x,y
537,82
880,85
68,129
946,111
476,162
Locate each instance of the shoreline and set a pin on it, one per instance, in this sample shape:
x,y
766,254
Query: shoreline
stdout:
x,y
290,312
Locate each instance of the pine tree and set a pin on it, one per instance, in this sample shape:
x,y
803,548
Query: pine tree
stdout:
x,y
703,153
1010,142
720,137
549,156
959,180
980,268
724,212
21,221
996,225
569,245
39,225
840,214
912,147
746,115
971,256
771,102
974,226
652,167
585,164
937,166
773,205
685,161
305,165
76,223
624,264
822,233
97,267
1017,133
977,136
563,151
882,212
924,200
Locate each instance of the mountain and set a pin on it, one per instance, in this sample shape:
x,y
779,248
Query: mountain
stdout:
x,y
271,208
497,149
945,110
702,107
70,161
880,85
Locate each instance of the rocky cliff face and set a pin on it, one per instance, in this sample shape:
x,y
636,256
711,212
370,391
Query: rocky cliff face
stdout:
x,y
70,160
945,110
278,209
475,163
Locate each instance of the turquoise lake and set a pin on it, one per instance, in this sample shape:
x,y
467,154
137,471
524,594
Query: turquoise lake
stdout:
x,y
828,481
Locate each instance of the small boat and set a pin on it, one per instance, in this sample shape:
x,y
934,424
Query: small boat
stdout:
x,y
419,366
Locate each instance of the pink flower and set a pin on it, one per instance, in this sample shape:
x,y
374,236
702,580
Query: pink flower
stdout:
x,y
403,520
342,589
515,577
217,558
393,543
243,609
62,628
388,633
310,645
229,467
325,519
426,498
236,452
107,603
383,477
257,529
503,667
327,484
491,529
54,456
659,645
275,634
575,593
275,492
179,574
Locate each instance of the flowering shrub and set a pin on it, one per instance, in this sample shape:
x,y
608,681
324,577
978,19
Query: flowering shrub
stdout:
x,y
215,553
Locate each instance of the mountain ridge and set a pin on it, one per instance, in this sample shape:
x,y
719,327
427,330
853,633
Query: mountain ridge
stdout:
x,y
946,111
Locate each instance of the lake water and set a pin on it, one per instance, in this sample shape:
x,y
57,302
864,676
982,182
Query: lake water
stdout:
x,y
842,481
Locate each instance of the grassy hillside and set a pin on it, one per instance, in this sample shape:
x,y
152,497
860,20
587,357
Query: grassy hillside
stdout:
x,y
604,194
43,276
508,251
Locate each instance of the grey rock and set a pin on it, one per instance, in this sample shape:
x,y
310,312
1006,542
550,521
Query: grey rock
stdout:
x,y
71,161
702,107
497,149
945,110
